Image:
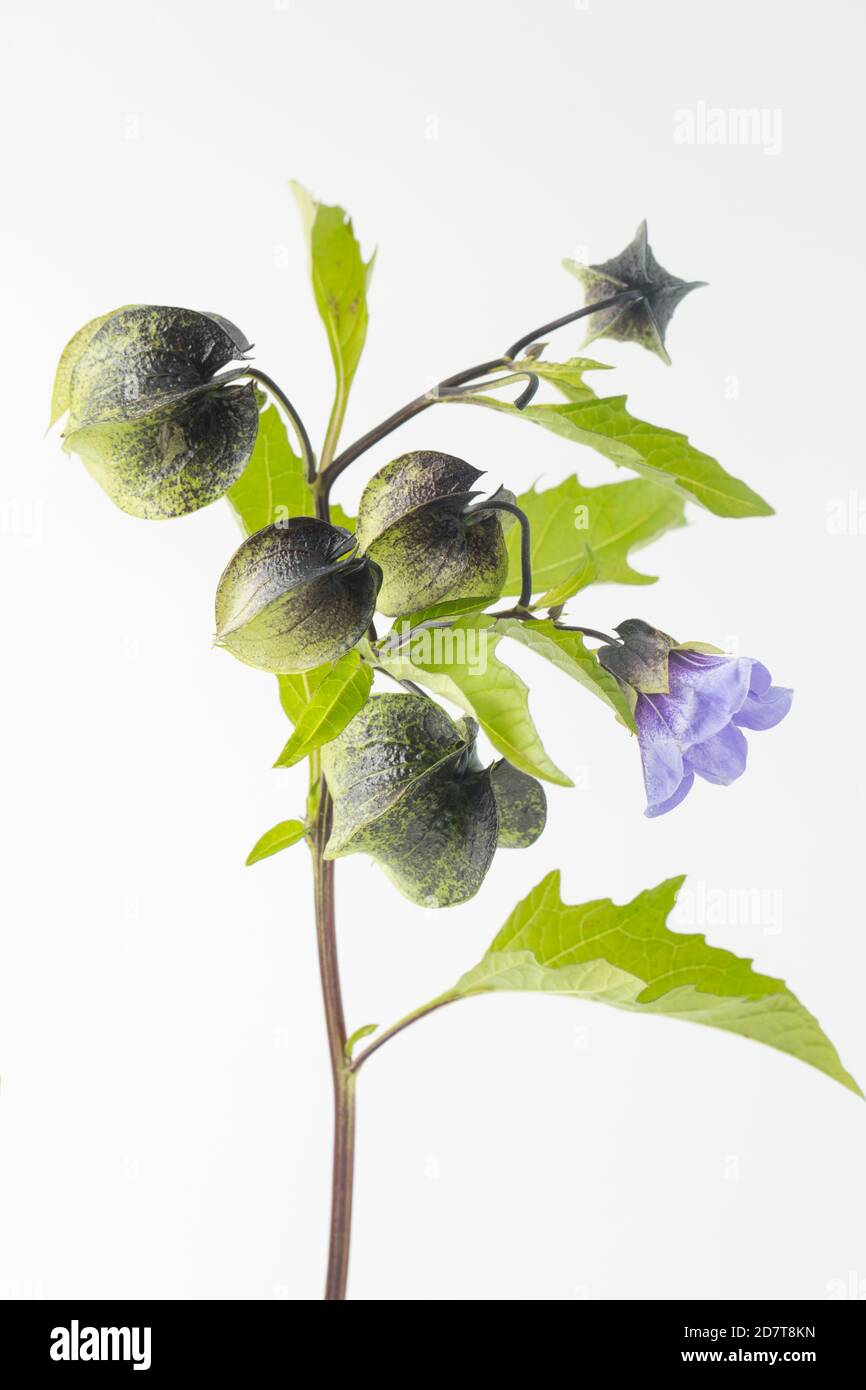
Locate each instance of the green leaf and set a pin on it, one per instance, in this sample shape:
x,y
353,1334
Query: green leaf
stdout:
x,y
272,487
341,518
354,1038
297,689
451,608
628,957
460,664
661,455
584,574
612,520
337,699
566,376
281,836
565,650
340,280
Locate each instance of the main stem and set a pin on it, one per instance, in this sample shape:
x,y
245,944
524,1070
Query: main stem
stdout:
x,y
342,1070
343,1079
343,1174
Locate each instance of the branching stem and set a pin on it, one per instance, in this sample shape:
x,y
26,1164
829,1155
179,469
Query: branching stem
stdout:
x,y
623,297
398,1028
331,470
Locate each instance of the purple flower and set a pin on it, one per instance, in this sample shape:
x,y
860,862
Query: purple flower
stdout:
x,y
697,726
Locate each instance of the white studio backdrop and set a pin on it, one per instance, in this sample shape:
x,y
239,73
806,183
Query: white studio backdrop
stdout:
x,y
165,1108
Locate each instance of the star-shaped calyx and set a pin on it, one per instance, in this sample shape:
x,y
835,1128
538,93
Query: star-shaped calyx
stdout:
x,y
645,320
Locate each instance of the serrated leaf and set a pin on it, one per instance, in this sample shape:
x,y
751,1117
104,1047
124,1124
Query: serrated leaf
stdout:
x,y
612,520
460,664
337,699
627,956
567,651
661,455
281,836
340,279
272,487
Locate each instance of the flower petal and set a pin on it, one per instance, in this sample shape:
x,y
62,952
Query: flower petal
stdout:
x,y
705,691
679,795
720,759
761,679
765,711
660,753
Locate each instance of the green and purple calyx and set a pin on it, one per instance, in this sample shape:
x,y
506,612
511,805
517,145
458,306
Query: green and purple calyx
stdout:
x,y
643,320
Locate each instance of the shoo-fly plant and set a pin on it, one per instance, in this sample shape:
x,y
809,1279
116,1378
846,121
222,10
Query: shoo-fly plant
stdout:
x,y
168,414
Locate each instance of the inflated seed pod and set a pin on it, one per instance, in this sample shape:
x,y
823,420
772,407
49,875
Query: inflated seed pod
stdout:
x,y
408,790
521,806
146,416
413,520
293,596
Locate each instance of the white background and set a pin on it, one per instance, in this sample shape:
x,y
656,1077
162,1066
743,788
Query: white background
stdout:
x,y
164,1112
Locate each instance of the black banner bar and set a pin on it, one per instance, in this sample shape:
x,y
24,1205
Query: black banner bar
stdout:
x,y
219,1339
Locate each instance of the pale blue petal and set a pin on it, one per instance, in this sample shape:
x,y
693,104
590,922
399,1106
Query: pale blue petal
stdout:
x,y
679,795
704,694
761,680
660,753
720,759
765,711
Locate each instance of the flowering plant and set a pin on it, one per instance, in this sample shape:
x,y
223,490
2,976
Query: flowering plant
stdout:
x,y
166,424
